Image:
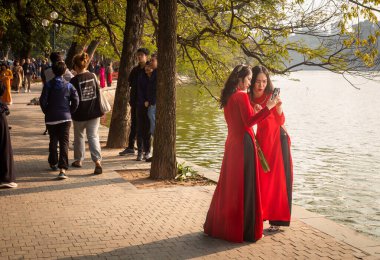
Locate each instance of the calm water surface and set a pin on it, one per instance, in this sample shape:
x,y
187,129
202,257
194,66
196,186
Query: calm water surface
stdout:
x,y
335,132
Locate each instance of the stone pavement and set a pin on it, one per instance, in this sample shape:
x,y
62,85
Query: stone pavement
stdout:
x,y
106,217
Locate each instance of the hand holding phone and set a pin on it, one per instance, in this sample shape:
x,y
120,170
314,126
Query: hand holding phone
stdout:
x,y
276,92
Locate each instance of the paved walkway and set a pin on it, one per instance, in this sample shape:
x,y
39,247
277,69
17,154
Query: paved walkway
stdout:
x,y
106,217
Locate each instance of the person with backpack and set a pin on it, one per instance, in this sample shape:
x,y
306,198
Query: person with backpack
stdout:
x,y
58,100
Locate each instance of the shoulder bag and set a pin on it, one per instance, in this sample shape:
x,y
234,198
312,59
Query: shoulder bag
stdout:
x,y
105,106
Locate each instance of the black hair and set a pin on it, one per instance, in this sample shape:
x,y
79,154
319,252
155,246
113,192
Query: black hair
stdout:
x,y
59,68
255,72
239,72
143,50
55,57
154,55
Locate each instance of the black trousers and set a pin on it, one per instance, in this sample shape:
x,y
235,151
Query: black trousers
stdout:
x,y
143,132
132,134
6,152
59,133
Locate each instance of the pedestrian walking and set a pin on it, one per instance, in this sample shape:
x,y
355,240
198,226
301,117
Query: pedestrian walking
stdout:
x,y
29,71
48,74
87,116
102,75
18,76
58,100
109,71
5,77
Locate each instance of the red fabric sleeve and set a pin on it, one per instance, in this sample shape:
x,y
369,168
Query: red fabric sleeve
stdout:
x,y
280,119
248,116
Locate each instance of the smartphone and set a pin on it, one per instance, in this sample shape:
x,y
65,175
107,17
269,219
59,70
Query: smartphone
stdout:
x,y
276,92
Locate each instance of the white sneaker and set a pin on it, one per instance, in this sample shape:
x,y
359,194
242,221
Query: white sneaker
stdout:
x,y
147,156
9,185
62,175
29,91
25,91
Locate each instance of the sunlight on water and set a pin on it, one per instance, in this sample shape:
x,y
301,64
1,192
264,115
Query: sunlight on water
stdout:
x,y
335,132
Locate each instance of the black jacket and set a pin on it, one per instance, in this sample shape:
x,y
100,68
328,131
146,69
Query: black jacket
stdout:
x,y
29,68
89,97
152,88
133,81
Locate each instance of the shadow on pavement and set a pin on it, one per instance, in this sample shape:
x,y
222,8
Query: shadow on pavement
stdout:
x,y
64,186
182,247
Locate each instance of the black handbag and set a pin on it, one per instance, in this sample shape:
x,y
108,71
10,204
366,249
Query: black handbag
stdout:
x,y
4,109
2,88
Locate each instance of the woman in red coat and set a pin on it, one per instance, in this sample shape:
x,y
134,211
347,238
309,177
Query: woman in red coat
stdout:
x,y
235,210
276,185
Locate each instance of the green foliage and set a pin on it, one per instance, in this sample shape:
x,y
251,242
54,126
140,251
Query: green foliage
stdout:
x,y
16,22
185,172
213,36
364,46
102,20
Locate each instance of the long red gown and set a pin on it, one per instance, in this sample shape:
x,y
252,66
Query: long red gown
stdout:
x,y
226,216
276,185
102,77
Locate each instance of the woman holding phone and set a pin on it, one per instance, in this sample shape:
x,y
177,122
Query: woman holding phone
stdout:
x,y
276,185
235,210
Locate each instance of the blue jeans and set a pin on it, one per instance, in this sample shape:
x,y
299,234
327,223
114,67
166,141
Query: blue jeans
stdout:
x,y
152,118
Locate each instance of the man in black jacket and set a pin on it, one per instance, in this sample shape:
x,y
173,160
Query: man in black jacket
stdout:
x,y
142,56
29,71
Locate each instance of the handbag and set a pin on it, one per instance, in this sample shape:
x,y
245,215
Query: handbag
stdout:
x,y
2,88
105,106
4,109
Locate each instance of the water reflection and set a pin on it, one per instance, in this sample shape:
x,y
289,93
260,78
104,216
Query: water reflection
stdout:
x,y
335,132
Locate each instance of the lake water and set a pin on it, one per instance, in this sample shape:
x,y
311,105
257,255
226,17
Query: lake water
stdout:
x,y
335,133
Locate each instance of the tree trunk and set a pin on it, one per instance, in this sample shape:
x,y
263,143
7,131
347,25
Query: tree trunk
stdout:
x,y
74,49
26,27
92,48
120,121
164,159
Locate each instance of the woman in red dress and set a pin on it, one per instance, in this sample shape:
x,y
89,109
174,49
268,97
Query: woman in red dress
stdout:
x,y
235,211
276,185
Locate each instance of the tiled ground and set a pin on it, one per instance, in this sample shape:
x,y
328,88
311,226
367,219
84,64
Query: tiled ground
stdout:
x,y
91,217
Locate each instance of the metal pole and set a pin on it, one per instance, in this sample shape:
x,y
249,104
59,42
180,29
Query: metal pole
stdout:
x,y
53,37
